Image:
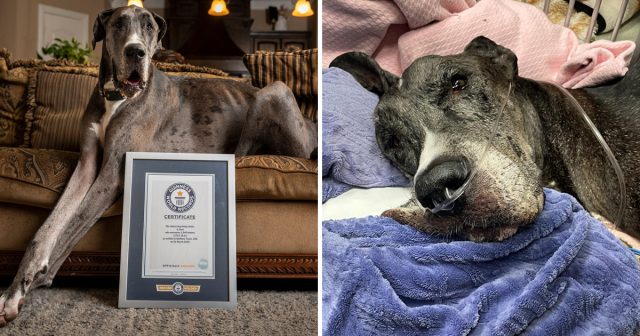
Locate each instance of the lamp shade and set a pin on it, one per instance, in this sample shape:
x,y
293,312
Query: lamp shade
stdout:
x,y
218,8
302,8
135,3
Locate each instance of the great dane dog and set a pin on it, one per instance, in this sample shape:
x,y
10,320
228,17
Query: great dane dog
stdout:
x,y
434,121
136,107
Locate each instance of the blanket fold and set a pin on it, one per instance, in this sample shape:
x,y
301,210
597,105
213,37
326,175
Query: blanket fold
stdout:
x,y
563,275
397,32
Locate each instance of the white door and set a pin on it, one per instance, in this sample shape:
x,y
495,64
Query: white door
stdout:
x,y
54,22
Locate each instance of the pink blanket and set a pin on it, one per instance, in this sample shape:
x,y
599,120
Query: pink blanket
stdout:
x,y
398,32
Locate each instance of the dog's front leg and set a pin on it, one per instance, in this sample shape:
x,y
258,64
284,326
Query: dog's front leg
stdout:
x,y
36,260
104,192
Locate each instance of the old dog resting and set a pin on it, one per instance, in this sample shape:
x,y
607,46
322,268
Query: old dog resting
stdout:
x,y
135,107
433,122
540,264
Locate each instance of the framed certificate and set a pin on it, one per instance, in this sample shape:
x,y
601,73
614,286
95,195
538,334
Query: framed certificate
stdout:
x,y
178,231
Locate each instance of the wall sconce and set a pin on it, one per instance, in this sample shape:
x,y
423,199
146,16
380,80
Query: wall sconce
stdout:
x,y
302,9
135,3
218,8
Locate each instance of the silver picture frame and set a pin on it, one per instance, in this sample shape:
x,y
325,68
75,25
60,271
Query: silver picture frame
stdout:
x,y
136,291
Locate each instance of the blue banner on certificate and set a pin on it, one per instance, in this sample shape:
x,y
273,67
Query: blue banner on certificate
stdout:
x,y
178,232
179,226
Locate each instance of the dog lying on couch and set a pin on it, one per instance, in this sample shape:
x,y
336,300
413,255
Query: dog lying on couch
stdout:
x,y
136,107
432,123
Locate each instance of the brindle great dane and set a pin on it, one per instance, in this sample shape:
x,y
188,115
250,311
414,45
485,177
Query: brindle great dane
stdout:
x,y
136,107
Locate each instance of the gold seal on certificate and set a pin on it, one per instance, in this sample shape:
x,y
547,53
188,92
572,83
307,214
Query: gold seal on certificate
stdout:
x,y
179,226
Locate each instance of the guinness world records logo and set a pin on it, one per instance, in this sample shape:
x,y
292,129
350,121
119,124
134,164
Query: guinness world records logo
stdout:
x,y
177,288
179,197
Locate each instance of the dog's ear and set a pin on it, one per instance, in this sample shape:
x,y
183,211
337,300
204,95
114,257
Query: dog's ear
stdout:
x,y
366,71
98,27
162,26
499,55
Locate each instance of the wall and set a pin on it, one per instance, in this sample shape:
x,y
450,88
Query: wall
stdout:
x,y
259,17
19,23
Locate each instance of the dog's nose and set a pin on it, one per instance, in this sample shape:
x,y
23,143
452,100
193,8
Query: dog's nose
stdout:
x,y
442,174
135,51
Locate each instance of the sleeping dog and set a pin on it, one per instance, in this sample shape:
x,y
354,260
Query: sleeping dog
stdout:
x,y
434,121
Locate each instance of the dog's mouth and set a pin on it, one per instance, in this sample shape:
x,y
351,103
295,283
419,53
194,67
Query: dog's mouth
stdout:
x,y
132,84
134,79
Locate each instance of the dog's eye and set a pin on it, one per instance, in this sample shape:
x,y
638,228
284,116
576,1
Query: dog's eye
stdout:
x,y
119,25
458,83
148,26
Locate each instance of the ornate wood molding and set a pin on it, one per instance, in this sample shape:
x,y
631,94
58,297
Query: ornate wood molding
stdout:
x,y
297,266
277,266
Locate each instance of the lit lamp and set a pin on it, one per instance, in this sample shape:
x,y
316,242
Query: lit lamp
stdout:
x,y
218,8
135,3
302,8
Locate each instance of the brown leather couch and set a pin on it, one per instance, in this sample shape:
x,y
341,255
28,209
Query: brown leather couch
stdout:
x,y
41,104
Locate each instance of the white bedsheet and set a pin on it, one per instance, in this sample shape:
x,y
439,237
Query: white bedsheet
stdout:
x,y
360,202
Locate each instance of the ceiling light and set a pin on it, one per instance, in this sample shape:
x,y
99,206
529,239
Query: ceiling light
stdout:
x,y
218,8
302,8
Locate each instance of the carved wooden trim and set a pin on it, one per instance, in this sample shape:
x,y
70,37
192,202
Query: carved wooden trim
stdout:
x,y
300,266
277,266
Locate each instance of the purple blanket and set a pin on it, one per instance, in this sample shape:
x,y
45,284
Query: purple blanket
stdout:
x,y
563,275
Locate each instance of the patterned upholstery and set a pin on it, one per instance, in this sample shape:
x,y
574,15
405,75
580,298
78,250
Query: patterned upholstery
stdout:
x,y
49,169
13,87
298,70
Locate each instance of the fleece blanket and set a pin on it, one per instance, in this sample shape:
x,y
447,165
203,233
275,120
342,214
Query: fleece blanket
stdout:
x,y
563,275
397,32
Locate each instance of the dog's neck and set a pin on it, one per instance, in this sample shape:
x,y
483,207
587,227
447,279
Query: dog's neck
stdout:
x,y
112,95
105,74
572,159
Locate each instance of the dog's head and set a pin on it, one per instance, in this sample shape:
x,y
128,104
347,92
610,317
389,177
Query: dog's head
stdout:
x,y
433,123
131,35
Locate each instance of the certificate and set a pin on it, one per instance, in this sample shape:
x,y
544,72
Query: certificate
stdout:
x,y
179,226
178,231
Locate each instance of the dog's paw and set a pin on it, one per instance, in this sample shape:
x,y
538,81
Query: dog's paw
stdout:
x,y
10,304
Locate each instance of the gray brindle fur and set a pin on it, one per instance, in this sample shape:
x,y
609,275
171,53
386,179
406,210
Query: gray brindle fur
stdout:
x,y
156,114
434,121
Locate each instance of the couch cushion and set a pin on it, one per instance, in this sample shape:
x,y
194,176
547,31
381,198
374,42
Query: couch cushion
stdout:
x,y
13,88
272,177
261,227
297,69
57,102
37,177
47,169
